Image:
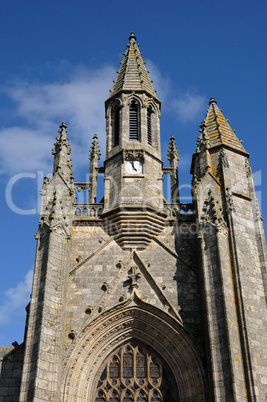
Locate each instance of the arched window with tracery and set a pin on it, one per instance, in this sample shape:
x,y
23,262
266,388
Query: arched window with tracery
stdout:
x,y
137,374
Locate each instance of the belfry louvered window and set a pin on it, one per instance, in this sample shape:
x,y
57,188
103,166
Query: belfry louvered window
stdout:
x,y
149,126
116,128
133,122
134,373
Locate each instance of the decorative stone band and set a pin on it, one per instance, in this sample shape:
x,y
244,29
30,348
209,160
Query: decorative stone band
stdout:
x,y
133,154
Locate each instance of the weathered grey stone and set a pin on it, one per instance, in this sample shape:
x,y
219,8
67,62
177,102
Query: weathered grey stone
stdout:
x,y
186,281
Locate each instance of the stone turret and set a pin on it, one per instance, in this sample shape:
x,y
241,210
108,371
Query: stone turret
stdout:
x,y
133,166
133,109
232,259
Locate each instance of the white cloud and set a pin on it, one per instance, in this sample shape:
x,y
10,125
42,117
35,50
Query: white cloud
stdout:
x,y
188,106
79,101
161,84
23,149
15,298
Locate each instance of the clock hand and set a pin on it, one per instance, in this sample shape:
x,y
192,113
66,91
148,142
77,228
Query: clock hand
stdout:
x,y
134,168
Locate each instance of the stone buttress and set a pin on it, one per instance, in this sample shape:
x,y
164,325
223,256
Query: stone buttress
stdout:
x,y
232,262
45,330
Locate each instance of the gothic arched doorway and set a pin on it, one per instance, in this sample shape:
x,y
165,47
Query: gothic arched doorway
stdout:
x,y
135,373
146,330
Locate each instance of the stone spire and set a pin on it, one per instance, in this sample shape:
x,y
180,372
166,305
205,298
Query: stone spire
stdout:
x,y
61,152
218,130
133,75
94,156
173,157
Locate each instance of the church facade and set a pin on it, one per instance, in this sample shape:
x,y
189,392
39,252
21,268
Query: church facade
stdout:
x,y
137,299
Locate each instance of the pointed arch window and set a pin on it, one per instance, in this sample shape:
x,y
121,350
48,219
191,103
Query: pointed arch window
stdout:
x,y
133,122
116,127
135,373
149,126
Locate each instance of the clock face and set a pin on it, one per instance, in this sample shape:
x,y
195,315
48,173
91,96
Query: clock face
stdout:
x,y
134,167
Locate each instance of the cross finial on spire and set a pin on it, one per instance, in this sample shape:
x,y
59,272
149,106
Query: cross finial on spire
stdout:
x,y
94,150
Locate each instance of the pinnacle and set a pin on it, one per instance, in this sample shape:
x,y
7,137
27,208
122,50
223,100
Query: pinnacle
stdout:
x,y
203,139
62,139
94,150
61,152
172,152
63,131
132,75
217,130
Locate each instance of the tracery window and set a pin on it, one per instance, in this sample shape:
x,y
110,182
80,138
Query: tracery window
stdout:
x,y
134,373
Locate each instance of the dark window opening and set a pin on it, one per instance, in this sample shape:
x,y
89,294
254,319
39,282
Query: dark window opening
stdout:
x,y
133,122
149,126
116,128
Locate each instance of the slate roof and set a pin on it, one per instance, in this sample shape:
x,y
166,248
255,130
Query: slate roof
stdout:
x,y
218,129
133,75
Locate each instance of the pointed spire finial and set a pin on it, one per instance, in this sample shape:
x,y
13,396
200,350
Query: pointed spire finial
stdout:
x,y
132,38
62,139
212,100
94,150
132,75
172,152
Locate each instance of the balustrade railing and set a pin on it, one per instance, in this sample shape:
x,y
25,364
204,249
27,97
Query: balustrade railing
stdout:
x,y
179,210
88,211
94,211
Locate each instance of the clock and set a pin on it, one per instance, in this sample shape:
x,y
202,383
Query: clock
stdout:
x,y
134,167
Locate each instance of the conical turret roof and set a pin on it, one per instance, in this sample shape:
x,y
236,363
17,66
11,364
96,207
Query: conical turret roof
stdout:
x,y
218,129
133,75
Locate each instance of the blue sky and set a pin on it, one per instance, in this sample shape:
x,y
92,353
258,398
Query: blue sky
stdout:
x,y
58,60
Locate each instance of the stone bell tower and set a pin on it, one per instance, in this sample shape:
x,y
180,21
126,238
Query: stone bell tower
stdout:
x,y
137,299
133,166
